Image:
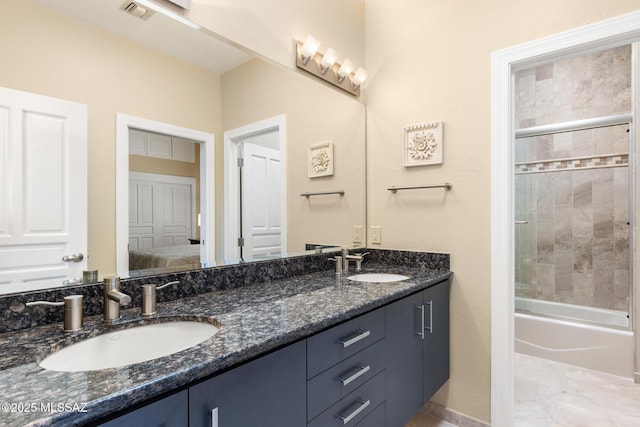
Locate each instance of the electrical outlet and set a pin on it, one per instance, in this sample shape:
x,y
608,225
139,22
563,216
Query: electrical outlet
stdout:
x,y
376,235
357,234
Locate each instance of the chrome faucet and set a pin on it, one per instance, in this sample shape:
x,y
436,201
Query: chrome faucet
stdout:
x,y
113,299
355,257
339,262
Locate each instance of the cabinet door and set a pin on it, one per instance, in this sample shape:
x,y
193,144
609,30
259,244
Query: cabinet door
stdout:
x,y
436,338
171,411
269,391
404,349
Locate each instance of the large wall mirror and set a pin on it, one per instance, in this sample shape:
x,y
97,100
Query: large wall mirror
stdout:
x,y
183,105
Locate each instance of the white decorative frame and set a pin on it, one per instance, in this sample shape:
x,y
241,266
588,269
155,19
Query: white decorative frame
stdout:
x,y
320,159
597,36
422,144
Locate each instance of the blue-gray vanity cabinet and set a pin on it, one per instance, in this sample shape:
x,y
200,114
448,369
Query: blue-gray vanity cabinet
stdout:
x,y
417,363
345,372
436,338
267,392
171,411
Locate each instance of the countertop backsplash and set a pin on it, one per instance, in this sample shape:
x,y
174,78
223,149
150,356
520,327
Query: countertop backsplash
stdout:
x,y
14,315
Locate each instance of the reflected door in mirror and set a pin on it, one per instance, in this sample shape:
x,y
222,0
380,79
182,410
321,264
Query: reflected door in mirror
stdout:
x,y
43,228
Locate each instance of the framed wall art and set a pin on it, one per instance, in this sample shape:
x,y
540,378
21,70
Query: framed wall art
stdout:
x,y
422,144
320,160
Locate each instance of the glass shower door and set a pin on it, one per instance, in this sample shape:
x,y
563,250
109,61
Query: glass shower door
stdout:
x,y
572,225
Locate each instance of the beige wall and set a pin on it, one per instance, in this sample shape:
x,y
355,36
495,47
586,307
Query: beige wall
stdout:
x,y
50,54
314,114
270,27
432,61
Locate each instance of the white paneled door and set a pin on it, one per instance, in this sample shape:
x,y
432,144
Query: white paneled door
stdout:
x,y
161,210
43,191
261,201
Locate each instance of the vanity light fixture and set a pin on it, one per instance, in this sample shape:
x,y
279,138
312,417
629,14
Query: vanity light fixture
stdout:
x,y
329,58
166,12
309,59
359,77
309,49
345,70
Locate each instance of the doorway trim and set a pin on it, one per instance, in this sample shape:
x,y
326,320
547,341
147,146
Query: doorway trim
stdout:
x,y
207,184
231,216
602,35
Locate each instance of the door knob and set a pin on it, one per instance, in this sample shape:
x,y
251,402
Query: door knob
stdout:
x,y
73,258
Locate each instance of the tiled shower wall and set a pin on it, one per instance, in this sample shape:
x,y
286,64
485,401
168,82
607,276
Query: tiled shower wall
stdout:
x,y
572,188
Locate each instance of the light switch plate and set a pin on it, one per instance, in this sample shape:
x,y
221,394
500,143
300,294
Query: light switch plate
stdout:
x,y
376,235
357,234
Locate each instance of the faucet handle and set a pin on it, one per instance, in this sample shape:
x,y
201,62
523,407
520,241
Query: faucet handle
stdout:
x,y
72,311
175,282
149,297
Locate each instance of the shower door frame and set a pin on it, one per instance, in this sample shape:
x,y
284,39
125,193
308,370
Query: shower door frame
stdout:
x,y
602,35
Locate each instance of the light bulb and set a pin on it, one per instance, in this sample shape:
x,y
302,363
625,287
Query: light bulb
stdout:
x,y
345,69
309,48
359,77
328,60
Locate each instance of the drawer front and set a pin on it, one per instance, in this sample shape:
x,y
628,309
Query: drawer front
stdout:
x,y
336,382
336,344
355,407
377,417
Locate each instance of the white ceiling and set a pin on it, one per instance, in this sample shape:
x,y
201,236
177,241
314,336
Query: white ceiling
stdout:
x,y
158,32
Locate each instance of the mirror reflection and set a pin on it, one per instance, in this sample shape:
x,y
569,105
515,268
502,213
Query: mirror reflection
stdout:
x,y
189,85
164,202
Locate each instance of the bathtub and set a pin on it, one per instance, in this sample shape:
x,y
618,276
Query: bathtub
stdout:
x,y
591,346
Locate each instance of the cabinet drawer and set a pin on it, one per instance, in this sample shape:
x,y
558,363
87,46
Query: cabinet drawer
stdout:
x,y
354,407
336,344
377,417
336,382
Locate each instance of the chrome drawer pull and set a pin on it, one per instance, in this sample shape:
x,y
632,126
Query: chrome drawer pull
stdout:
x,y
430,327
360,335
421,308
363,405
361,370
214,417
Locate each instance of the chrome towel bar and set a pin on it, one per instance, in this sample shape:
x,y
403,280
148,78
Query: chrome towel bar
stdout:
x,y
447,186
307,195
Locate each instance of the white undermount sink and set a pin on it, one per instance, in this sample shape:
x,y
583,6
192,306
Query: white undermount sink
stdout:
x,y
378,277
129,346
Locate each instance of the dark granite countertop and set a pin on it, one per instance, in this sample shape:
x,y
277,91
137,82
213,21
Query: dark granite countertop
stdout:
x,y
253,320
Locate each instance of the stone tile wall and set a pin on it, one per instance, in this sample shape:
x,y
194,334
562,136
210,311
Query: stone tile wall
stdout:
x,y
572,188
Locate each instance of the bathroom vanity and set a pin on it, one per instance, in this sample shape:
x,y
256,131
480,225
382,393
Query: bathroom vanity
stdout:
x,y
314,349
378,368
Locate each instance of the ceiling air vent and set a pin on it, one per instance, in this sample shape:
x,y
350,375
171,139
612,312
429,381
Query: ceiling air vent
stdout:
x,y
134,9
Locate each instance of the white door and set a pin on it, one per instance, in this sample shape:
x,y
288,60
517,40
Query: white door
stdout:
x,y
161,210
261,201
43,191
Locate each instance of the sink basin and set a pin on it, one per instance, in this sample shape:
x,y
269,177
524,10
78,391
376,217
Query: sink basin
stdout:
x,y
378,277
129,346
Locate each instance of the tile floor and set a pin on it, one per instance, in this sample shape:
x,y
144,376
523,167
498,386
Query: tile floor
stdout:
x,y
550,394
424,420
